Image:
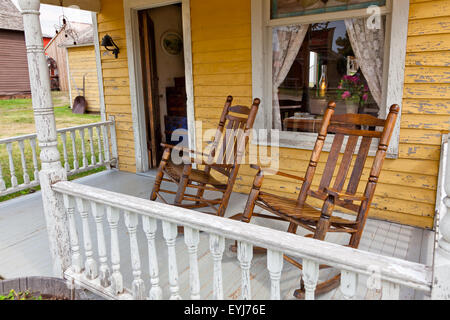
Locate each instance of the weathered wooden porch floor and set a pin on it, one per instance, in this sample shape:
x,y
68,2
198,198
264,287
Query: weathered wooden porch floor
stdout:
x,y
24,246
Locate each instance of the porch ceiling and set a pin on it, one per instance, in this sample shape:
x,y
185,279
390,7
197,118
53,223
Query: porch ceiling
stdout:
x,y
89,5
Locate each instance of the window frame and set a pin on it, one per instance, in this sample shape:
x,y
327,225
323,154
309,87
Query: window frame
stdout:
x,y
397,14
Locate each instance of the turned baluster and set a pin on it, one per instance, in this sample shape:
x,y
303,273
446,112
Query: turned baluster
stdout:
x,y
90,265
91,144
116,277
170,235
65,153
76,166
150,227
131,222
245,256
310,278
2,181
26,176
217,248
83,149
349,281
106,147
99,142
99,213
192,239
35,159
275,267
77,264
12,170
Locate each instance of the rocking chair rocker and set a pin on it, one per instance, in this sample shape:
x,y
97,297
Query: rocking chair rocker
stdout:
x,y
320,222
228,148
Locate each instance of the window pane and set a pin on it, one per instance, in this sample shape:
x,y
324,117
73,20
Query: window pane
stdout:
x,y
290,8
314,64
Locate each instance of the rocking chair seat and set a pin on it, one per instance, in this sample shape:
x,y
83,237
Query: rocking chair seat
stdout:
x,y
285,207
176,171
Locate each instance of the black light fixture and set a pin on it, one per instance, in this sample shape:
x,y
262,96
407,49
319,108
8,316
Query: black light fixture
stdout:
x,y
108,42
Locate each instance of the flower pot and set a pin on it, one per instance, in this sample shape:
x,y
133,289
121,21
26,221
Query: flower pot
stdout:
x,y
47,288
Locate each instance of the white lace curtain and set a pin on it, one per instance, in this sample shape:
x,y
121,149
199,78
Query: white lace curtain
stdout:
x,y
286,45
368,46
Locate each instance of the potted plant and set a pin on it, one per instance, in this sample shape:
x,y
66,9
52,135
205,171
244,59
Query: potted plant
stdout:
x,y
37,288
354,91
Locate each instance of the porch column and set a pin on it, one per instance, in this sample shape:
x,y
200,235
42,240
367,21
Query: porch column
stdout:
x,y
441,265
51,169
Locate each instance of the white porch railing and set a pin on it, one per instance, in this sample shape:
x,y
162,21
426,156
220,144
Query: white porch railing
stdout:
x,y
98,148
106,279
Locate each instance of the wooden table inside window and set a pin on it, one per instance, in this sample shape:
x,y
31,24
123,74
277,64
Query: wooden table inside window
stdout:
x,y
302,124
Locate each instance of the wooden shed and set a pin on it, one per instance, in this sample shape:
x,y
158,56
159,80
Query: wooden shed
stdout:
x,y
81,63
57,51
13,55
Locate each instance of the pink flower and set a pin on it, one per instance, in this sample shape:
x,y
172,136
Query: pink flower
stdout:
x,y
346,95
365,97
340,86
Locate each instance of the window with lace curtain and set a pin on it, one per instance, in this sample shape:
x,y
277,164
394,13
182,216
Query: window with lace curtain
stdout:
x,y
315,51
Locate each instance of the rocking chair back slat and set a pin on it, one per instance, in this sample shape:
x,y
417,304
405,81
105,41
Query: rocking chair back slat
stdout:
x,y
359,165
345,163
332,161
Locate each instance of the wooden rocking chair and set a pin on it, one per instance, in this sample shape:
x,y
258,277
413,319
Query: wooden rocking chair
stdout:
x,y
227,149
320,222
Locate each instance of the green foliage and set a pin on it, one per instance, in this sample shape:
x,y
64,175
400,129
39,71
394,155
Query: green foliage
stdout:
x,y
25,295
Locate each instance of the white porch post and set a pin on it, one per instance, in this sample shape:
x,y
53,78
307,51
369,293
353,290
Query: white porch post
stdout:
x,y
441,266
51,170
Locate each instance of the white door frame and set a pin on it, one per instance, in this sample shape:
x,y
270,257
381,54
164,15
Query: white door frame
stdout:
x,y
131,8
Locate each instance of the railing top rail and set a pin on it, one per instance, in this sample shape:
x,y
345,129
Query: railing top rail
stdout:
x,y
86,126
34,136
414,275
18,138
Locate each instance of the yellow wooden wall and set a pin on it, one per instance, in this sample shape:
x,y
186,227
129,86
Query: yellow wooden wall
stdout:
x,y
116,81
82,62
221,48
221,42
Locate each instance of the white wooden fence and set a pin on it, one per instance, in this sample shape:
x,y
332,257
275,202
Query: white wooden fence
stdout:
x,y
98,149
105,278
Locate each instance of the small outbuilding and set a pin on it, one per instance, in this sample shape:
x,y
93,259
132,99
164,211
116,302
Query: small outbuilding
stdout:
x,y
14,78
81,64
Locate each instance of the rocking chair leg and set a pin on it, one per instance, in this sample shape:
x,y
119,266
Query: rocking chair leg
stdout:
x,y
184,180
160,174
249,207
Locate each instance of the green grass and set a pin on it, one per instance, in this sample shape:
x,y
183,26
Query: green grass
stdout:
x,y
16,118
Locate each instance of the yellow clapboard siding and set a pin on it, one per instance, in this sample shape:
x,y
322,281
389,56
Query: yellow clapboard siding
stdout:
x,y
223,79
426,91
220,44
438,25
413,151
427,75
222,56
429,9
426,106
222,91
231,31
426,121
116,81
432,59
222,68
414,136
434,42
82,62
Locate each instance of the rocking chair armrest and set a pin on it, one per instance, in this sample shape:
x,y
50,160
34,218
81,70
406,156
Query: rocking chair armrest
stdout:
x,y
278,173
344,196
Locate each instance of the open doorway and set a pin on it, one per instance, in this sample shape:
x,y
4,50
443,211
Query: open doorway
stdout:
x,y
164,84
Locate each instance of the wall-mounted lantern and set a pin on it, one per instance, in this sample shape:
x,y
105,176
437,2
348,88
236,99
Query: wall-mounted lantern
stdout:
x,y
108,42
